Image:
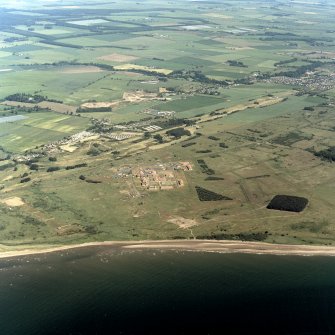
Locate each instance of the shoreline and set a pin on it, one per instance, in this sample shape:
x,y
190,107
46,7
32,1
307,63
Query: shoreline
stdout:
x,y
225,246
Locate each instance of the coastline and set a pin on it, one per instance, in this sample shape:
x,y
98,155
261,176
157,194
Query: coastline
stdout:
x,y
225,246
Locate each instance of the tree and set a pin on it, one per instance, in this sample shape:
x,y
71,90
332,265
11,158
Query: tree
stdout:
x,y
93,152
178,132
34,167
158,138
53,168
147,134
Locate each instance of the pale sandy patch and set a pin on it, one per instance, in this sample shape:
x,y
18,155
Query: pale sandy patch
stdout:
x,y
8,178
138,96
142,67
182,222
219,16
120,58
139,214
13,202
89,105
68,148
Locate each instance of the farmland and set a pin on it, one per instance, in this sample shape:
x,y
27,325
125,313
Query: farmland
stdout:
x,y
106,89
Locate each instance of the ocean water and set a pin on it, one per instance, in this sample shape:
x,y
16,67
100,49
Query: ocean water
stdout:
x,y
102,290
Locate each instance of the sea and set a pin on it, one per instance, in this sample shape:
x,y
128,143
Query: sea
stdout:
x,y
106,290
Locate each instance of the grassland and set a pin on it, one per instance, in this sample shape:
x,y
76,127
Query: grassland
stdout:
x,y
256,97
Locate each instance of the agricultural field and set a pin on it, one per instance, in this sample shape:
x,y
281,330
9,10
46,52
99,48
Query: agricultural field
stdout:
x,y
93,95
37,129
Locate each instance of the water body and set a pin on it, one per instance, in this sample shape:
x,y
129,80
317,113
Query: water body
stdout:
x,y
13,118
106,291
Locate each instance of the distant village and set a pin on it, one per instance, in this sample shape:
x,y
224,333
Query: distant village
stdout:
x,y
310,82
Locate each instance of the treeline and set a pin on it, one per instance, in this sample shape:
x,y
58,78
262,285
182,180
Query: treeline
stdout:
x,y
6,166
300,71
74,63
23,109
69,167
25,180
213,138
91,181
24,97
285,62
93,110
206,195
188,144
326,154
60,44
205,168
275,36
175,122
191,75
178,132
296,72
196,76
223,145
29,98
161,76
214,178
236,63
100,127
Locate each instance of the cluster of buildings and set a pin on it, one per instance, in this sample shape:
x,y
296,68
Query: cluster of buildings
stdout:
x,y
137,127
54,147
121,136
312,82
152,128
158,177
70,140
156,112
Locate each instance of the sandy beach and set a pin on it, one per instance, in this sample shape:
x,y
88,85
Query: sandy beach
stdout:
x,y
180,245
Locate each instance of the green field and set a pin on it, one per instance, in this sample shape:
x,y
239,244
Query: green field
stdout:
x,y
38,129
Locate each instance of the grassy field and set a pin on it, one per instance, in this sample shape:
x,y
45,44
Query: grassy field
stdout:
x,y
254,165
38,129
